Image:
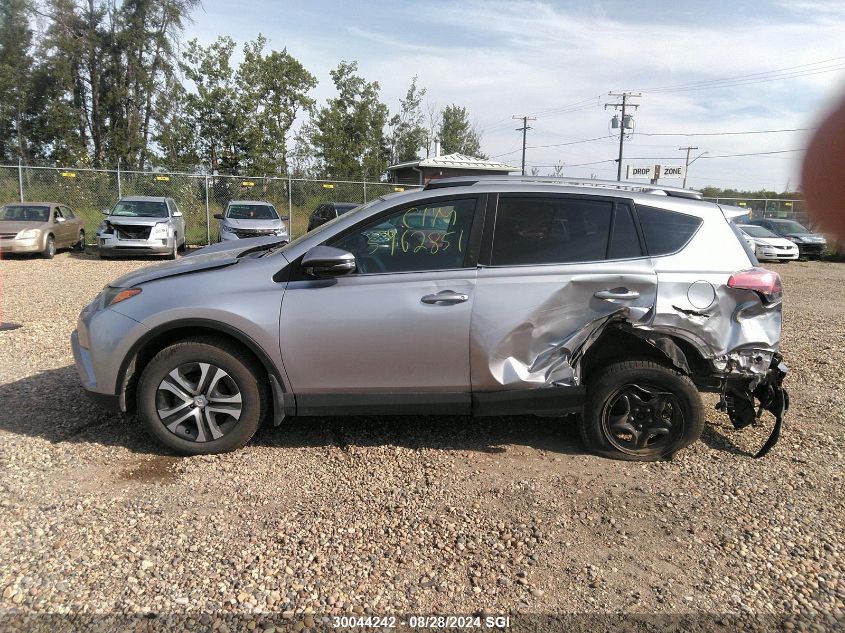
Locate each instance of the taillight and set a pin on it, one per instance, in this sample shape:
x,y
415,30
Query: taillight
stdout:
x,y
764,282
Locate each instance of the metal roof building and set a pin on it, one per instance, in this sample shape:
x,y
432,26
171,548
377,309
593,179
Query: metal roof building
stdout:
x,y
422,171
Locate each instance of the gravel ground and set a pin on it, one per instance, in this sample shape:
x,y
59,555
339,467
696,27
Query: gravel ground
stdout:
x,y
411,515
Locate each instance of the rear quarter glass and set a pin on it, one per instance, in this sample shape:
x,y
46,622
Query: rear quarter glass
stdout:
x,y
745,246
666,232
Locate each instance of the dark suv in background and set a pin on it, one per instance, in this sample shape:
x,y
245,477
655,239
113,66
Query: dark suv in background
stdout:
x,y
329,211
810,245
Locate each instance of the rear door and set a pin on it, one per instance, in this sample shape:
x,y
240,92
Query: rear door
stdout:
x,y
554,269
61,228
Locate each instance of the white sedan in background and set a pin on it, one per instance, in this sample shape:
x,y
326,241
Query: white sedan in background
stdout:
x,y
768,246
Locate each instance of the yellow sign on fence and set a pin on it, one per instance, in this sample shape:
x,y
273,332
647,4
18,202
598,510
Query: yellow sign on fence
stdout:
x,y
328,185
68,174
247,183
399,189
163,178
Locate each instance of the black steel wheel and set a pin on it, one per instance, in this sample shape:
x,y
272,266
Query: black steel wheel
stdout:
x,y
641,410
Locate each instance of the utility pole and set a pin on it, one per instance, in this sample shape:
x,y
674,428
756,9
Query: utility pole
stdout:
x,y
524,129
686,162
625,96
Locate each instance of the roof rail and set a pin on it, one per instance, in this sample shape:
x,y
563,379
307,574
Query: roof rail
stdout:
x,y
466,181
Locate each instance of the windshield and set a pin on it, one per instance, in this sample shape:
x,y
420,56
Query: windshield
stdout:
x,y
756,231
251,212
788,226
24,213
140,208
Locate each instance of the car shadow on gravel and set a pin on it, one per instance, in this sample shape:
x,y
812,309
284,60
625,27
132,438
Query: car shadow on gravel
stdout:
x,y
52,405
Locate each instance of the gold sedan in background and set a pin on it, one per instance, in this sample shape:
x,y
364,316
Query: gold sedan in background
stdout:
x,y
39,227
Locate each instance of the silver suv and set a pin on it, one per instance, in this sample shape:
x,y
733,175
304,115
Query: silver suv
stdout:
x,y
482,296
142,225
251,218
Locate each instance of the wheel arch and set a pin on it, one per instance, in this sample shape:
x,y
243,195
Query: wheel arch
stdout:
x,y
146,347
619,342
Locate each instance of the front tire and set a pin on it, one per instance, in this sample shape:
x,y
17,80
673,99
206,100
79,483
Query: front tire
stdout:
x,y
202,396
80,244
641,411
49,251
175,250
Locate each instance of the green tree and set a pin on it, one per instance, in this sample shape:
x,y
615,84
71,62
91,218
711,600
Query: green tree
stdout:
x,y
347,133
407,130
16,67
457,133
212,109
273,89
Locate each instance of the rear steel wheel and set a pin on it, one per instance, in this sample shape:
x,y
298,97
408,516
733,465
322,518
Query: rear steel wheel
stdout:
x,y
642,417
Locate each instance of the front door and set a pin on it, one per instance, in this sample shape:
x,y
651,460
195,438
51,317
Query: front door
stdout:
x,y
558,269
394,335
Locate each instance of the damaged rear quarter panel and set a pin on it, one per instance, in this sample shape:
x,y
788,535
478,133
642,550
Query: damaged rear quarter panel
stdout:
x,y
530,323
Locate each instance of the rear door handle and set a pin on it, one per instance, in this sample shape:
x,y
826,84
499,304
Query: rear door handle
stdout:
x,y
621,293
445,296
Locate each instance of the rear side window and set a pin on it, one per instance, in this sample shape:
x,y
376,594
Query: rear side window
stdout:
x,y
665,231
550,231
624,241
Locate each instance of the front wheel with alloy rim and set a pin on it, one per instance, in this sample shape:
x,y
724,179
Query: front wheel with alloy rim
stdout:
x,y
49,248
202,396
641,411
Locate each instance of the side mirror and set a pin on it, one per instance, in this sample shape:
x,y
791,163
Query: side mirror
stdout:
x,y
284,218
60,219
106,211
327,261
218,216
177,214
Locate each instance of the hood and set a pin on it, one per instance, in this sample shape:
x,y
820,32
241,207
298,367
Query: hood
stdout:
x,y
121,220
207,258
15,226
253,224
773,241
807,237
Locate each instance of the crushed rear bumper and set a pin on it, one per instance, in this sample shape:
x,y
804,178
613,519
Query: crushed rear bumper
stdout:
x,y
745,397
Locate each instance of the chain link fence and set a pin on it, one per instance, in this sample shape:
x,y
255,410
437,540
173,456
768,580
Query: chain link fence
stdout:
x,y
199,196
759,208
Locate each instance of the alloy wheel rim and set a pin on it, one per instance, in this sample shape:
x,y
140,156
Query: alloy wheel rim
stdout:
x,y
642,418
199,402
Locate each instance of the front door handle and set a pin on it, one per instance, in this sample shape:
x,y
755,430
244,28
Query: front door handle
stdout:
x,y
617,293
445,296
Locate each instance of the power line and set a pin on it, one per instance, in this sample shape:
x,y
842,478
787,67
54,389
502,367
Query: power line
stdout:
x,y
794,129
585,140
787,72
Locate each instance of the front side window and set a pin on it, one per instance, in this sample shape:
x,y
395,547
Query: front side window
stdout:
x,y
432,236
252,212
665,231
140,209
550,231
68,213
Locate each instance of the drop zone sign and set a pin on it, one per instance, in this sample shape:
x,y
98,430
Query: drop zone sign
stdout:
x,y
653,172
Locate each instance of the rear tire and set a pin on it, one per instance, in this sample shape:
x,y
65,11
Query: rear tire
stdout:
x,y
224,402
641,411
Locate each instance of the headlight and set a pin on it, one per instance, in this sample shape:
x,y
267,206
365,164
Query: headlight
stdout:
x,y
112,296
281,231
26,234
226,228
797,240
160,229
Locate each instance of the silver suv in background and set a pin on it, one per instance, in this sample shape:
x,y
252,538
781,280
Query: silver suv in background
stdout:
x,y
481,296
251,218
142,225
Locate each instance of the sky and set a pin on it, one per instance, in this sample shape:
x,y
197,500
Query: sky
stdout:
x,y
704,68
